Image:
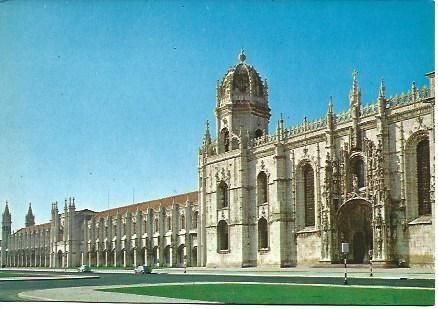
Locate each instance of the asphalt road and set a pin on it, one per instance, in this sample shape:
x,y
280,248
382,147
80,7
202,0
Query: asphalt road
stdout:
x,y
10,289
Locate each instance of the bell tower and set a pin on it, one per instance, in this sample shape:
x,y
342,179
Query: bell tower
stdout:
x,y
242,105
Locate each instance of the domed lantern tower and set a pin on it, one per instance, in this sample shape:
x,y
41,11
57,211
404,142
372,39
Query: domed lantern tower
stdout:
x,y
242,103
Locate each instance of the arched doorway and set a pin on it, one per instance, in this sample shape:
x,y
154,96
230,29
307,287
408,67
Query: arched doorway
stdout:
x,y
167,256
354,225
154,256
59,259
195,256
180,255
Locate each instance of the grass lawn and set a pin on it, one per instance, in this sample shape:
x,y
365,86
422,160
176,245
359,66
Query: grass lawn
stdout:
x,y
8,274
242,293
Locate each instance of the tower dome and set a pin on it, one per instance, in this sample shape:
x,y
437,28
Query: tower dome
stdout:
x,y
242,84
242,105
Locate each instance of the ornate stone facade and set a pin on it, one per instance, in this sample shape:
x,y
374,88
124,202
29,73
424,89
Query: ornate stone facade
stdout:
x,y
363,176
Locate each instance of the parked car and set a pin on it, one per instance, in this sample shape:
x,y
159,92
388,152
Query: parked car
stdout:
x,y
142,269
84,269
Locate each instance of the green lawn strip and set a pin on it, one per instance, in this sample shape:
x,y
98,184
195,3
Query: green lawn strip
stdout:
x,y
8,274
232,293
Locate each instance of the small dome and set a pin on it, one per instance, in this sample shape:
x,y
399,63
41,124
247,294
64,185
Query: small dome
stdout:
x,y
242,83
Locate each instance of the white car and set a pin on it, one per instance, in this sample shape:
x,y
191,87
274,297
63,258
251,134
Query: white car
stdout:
x,y
84,269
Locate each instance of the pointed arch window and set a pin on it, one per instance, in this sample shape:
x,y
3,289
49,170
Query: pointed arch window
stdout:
x,y
195,220
169,223
309,195
183,222
423,176
263,233
262,188
222,195
222,236
156,225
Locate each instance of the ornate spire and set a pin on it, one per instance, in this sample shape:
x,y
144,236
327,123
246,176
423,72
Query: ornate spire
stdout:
x,y
382,89
355,90
330,106
6,215
6,208
207,136
30,218
242,56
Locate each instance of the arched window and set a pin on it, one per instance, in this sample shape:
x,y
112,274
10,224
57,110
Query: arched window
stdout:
x,y
262,188
156,225
263,233
195,220
258,133
183,222
309,195
169,223
423,176
145,226
222,195
225,136
222,235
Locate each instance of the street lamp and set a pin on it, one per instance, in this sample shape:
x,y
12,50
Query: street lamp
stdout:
x,y
345,248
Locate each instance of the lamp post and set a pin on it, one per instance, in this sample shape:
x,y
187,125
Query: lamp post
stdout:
x,y
345,249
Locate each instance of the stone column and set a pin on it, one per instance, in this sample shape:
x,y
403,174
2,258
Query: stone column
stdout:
x,y
135,257
97,258
171,258
115,258
146,257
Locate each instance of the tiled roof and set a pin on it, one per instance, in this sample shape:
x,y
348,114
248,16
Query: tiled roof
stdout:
x,y
154,204
34,227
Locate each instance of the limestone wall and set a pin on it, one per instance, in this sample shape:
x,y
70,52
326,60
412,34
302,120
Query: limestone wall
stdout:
x,y
421,245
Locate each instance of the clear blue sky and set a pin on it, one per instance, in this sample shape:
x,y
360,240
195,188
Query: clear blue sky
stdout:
x,y
107,96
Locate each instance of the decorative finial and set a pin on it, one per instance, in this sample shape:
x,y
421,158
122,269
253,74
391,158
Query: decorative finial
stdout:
x,y
414,86
382,89
355,75
242,56
330,105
